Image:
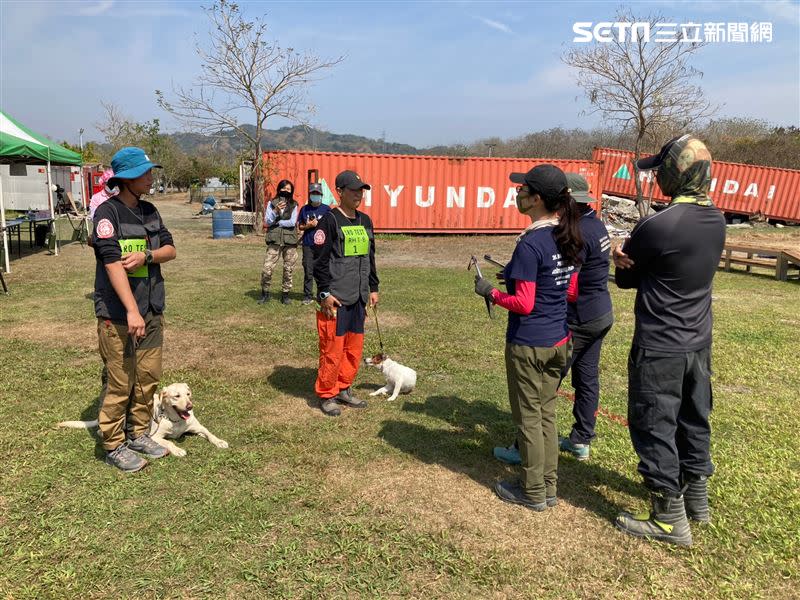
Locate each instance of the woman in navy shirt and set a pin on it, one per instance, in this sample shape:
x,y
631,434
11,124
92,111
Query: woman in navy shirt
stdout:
x,y
590,318
538,341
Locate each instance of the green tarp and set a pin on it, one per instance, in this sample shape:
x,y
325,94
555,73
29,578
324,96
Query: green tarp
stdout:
x,y
18,143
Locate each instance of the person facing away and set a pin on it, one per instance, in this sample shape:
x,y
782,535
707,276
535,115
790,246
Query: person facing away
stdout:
x,y
347,281
590,317
537,337
131,243
671,258
308,220
280,219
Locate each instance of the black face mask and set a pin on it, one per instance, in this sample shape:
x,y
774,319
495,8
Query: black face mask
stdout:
x,y
285,194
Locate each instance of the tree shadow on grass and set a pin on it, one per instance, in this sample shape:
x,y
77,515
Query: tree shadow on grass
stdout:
x,y
466,447
295,381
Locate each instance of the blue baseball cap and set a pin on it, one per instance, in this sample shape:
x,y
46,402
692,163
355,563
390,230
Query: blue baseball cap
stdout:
x,y
130,163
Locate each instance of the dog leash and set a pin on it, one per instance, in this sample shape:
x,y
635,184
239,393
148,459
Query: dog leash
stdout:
x,y
378,327
136,383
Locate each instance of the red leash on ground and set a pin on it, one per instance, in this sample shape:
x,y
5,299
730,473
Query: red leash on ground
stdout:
x,y
600,411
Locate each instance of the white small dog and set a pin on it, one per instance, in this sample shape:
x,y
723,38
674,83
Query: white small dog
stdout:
x,y
172,417
399,379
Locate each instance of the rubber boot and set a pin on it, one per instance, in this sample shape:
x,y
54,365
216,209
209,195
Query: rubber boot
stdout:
x,y
666,521
264,297
285,298
695,498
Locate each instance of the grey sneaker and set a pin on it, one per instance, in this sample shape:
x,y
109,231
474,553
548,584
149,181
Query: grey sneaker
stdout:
x,y
330,407
307,300
511,492
346,397
125,460
144,444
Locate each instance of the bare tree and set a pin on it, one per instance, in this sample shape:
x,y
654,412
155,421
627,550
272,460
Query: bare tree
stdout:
x,y
645,86
115,126
244,72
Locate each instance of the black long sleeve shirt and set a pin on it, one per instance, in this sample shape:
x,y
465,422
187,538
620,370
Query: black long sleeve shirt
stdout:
x,y
330,236
676,253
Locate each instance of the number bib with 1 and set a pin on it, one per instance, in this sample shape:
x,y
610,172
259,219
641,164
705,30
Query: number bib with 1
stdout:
x,y
356,240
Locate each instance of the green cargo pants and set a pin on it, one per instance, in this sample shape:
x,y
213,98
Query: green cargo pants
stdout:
x,y
128,397
533,376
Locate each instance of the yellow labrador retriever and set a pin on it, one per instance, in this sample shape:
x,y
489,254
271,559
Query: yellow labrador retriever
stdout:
x,y
172,417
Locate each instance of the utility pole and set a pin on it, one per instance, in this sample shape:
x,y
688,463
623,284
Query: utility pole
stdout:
x,y
80,135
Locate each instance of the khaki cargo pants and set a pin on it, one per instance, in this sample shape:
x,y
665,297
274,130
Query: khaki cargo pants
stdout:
x,y
533,376
127,401
274,252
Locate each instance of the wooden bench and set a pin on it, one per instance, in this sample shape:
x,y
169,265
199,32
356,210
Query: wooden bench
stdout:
x,y
780,262
787,263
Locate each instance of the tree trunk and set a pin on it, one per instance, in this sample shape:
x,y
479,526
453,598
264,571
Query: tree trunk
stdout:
x,y
258,187
642,204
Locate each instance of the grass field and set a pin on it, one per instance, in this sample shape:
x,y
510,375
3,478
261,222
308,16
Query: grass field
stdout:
x,y
394,501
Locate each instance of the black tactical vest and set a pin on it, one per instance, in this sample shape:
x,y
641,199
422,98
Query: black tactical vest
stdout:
x,y
349,274
141,223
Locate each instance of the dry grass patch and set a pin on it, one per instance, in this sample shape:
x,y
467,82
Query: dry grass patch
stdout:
x,y
80,335
435,500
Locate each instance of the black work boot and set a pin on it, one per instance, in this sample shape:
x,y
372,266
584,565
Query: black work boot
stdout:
x,y
285,298
695,498
665,522
264,297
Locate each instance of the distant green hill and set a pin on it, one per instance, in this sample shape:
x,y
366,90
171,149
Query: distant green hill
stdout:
x,y
289,138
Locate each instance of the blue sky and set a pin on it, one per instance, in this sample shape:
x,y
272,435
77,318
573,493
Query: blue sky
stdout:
x,y
425,73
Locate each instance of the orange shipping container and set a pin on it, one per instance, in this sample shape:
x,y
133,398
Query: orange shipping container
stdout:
x,y
424,194
735,187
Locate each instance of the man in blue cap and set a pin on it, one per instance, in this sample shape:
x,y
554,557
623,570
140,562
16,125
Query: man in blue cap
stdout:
x,y
671,258
131,243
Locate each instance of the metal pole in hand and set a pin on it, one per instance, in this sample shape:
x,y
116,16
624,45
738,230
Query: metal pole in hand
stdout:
x,y
474,262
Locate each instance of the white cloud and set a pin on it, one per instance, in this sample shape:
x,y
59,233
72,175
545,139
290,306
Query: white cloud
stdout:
x,y
495,25
96,9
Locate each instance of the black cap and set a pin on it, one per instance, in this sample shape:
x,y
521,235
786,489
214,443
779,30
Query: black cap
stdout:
x,y
579,188
351,181
315,188
655,161
546,180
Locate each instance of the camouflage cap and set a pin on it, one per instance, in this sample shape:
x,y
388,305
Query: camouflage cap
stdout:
x,y
684,167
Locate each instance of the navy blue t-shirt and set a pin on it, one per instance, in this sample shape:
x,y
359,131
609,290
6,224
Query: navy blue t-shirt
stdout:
x,y
307,213
594,301
537,259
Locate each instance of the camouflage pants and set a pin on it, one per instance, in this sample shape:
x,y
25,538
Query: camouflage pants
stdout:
x,y
274,252
127,402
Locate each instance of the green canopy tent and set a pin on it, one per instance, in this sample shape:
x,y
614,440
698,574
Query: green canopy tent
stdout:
x,y
18,144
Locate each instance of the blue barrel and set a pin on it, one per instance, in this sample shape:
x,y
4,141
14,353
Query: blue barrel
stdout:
x,y
222,224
